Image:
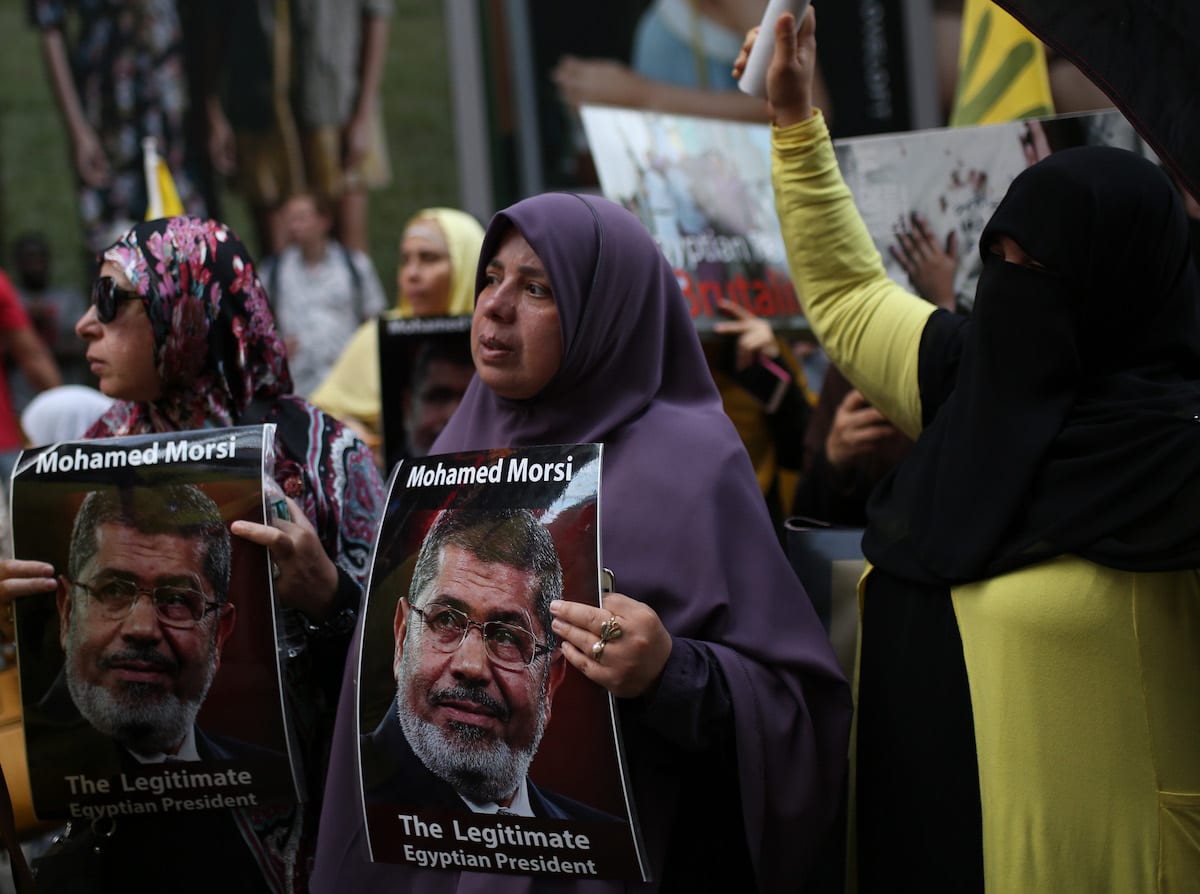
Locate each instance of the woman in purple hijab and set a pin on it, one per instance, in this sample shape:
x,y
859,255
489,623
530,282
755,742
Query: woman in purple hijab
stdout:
x,y
735,715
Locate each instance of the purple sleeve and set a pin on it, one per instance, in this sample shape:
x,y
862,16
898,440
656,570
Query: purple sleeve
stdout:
x,y
691,707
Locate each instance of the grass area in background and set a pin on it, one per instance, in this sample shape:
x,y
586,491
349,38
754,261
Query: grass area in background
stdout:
x,y
37,186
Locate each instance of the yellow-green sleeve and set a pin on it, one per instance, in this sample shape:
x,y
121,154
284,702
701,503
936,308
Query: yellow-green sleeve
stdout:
x,y
868,325
351,390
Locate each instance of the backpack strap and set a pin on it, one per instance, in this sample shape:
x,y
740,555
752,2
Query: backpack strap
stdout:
x,y
355,279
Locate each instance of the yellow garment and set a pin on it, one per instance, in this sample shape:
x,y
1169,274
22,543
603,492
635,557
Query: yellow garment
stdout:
x,y
162,198
832,258
1002,73
1084,685
351,390
1083,679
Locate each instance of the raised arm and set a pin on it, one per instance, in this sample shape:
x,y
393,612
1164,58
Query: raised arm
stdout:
x,y
870,327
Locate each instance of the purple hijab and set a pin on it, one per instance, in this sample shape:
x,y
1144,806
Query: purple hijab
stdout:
x,y
685,529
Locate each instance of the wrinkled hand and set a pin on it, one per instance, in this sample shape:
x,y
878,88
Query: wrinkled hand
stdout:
x,y
754,334
630,665
307,578
90,159
22,578
856,431
598,82
929,265
792,69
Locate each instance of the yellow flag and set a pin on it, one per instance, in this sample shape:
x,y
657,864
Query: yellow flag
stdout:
x,y
1002,72
162,199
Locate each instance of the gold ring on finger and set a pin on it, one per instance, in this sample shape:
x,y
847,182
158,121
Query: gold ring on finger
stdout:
x,y
610,629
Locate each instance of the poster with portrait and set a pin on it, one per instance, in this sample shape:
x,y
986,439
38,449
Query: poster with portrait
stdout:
x,y
481,747
425,366
703,189
150,677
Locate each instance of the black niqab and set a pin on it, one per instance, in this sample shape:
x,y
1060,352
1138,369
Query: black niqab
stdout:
x,y
1064,416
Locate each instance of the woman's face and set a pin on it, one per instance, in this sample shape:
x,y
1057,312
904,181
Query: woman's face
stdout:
x,y
424,274
516,339
121,353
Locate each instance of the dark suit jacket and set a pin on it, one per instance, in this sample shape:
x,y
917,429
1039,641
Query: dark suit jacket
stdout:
x,y
182,852
393,774
63,741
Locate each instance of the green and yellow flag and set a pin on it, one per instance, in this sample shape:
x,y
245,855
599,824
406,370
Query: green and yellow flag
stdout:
x,y
1002,73
162,199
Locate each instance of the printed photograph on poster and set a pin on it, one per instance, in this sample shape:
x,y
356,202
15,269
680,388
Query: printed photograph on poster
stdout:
x,y
150,679
703,189
425,366
953,178
480,747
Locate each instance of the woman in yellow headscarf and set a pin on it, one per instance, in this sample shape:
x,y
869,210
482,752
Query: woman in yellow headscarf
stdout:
x,y
436,277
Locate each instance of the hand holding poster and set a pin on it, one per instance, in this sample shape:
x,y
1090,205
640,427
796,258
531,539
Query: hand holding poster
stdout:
x,y
167,704
460,674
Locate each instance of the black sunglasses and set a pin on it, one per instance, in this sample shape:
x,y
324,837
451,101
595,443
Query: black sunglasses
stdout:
x,y
107,295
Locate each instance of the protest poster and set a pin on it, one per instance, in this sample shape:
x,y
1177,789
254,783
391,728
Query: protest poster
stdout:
x,y
481,748
168,704
703,189
425,366
954,177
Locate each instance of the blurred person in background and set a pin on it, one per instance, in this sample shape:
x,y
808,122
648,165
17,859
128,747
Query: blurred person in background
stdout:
x,y
122,79
21,346
436,277
52,310
292,104
320,289
64,413
683,53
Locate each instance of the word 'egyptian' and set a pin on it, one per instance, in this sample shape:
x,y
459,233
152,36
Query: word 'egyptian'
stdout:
x,y
518,470
177,451
163,805
460,859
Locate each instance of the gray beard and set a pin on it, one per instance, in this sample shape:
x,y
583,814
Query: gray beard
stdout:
x,y
474,764
138,716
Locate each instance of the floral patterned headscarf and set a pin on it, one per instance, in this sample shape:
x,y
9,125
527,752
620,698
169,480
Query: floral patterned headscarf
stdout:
x,y
221,362
216,347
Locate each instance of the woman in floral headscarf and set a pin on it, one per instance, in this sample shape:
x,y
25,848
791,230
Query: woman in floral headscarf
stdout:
x,y
181,335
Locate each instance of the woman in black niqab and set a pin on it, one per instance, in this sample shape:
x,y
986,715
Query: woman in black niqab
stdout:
x,y
1062,418
1030,649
